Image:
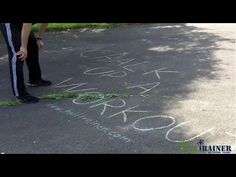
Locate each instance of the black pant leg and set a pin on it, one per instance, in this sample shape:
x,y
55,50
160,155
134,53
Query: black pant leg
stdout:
x,y
33,59
12,36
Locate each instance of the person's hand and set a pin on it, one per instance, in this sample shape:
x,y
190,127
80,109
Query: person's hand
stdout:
x,y
23,53
40,43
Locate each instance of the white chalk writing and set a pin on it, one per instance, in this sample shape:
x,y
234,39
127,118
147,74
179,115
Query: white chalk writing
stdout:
x,y
185,140
152,117
94,123
159,71
73,86
109,105
144,88
127,110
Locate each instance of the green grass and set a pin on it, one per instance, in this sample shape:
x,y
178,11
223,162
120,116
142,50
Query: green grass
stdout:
x,y
58,96
167,97
82,97
111,95
187,148
89,96
66,95
10,103
66,26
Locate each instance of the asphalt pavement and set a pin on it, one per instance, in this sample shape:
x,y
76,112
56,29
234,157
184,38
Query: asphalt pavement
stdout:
x,y
176,84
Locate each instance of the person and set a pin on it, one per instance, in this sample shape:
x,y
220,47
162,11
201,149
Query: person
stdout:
x,y
23,45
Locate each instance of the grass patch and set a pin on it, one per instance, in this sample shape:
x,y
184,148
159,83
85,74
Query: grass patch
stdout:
x,y
82,97
10,103
90,96
68,26
167,97
58,96
127,94
65,95
111,95
187,148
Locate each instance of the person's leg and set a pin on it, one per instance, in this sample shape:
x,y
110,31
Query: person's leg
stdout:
x,y
35,78
12,37
33,60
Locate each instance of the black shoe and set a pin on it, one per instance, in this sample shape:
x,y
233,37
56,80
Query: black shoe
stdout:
x,y
28,99
39,83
